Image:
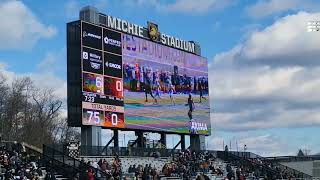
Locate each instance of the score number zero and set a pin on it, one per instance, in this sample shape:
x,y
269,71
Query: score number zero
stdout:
x,y
95,117
99,84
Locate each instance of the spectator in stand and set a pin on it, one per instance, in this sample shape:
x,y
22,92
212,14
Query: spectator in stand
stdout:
x,y
16,163
130,169
90,175
146,173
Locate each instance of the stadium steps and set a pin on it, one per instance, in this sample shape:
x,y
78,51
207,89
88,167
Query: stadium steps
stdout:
x,y
158,163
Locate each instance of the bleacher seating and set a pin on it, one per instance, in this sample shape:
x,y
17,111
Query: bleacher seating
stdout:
x,y
126,162
64,165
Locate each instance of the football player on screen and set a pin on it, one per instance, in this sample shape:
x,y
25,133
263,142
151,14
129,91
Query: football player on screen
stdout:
x,y
171,91
148,90
192,124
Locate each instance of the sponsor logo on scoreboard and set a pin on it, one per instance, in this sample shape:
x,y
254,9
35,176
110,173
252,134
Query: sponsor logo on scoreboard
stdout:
x,y
92,56
195,127
85,55
112,65
86,34
92,59
95,65
112,42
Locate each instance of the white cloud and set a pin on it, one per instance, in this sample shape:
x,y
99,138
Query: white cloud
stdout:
x,y
54,61
72,9
50,80
265,8
196,7
284,42
270,80
261,143
185,6
266,145
288,37
20,28
41,78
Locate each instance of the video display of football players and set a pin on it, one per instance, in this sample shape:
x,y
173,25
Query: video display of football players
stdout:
x,y
165,89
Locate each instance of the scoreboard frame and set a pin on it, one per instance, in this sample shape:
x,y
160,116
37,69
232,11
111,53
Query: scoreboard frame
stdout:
x,y
75,78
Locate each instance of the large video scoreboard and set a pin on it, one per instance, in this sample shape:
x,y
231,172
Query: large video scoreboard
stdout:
x,y
119,80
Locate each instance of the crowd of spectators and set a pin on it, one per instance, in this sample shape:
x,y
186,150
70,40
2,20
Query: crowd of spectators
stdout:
x,y
105,169
147,172
16,163
190,164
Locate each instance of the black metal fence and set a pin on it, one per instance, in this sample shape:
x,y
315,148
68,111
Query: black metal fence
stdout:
x,y
77,167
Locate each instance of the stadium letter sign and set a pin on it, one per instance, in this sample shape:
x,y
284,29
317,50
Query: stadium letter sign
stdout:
x,y
130,28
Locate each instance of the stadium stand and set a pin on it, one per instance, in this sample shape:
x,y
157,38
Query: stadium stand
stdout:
x,y
20,160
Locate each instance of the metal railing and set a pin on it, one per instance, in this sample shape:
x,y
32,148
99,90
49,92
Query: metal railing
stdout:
x,y
35,155
280,166
293,158
78,167
272,168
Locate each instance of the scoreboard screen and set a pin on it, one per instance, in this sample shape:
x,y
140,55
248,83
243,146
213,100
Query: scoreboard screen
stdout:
x,y
132,83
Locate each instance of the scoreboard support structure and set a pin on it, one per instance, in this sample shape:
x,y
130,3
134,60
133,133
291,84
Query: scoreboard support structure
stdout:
x,y
163,139
183,142
91,136
197,142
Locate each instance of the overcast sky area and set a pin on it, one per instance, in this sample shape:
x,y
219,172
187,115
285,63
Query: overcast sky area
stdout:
x,y
264,65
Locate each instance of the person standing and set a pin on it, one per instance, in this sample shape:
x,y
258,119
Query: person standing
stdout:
x,y
148,90
158,89
191,106
171,91
192,124
201,87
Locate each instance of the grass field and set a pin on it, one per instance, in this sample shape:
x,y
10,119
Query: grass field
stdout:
x,y
164,115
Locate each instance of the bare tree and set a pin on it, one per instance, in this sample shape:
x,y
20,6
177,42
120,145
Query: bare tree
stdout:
x,y
29,114
3,97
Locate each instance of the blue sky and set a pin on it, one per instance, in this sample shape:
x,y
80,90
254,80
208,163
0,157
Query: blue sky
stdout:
x,y
264,65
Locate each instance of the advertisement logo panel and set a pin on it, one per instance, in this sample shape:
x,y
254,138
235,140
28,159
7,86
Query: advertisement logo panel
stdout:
x,y
92,60
112,41
112,65
91,36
